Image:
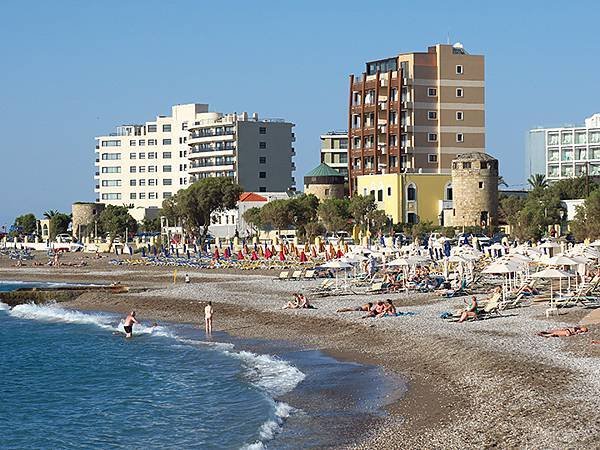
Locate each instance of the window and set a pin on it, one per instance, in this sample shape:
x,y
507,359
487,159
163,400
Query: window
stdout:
x,y
448,192
132,182
132,155
481,185
432,92
111,196
111,143
380,195
166,155
132,196
152,182
459,69
393,140
262,145
411,218
110,156
151,128
142,169
167,182
142,142
184,126
142,195
152,195
262,174
459,92
262,189
432,137
326,192
262,159
167,169
460,137
432,158
151,141
460,115
142,182
151,155
431,115
262,130
142,156
132,169
466,165
111,170
166,141
167,195
111,183
166,128
389,191
151,168
411,193
132,143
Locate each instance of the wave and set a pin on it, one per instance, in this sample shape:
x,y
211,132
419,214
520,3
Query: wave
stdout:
x,y
4,307
270,374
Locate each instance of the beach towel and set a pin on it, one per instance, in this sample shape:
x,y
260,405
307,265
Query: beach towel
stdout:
x,y
446,315
407,313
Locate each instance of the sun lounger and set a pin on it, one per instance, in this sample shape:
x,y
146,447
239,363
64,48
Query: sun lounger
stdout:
x,y
310,275
296,275
283,275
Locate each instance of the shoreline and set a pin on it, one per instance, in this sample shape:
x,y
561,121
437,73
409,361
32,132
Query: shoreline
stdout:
x,y
482,384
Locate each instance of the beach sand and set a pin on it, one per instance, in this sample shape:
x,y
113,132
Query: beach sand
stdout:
x,y
484,384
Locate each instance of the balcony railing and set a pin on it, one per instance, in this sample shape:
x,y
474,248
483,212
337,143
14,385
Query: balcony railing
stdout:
x,y
212,149
212,133
212,164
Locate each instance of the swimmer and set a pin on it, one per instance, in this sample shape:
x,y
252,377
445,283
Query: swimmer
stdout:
x,y
128,326
208,317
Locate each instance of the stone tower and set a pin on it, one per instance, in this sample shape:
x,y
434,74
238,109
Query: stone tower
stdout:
x,y
475,190
324,182
84,215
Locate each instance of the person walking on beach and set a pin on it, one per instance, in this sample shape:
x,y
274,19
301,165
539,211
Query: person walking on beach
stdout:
x,y
208,317
128,326
187,278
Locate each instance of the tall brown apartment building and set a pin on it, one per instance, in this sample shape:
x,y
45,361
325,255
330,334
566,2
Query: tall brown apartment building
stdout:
x,y
415,112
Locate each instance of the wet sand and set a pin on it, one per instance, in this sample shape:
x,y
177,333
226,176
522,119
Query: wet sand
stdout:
x,y
485,384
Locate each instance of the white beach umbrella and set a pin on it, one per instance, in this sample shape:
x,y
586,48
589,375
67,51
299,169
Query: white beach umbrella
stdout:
x,y
549,244
552,274
337,264
559,260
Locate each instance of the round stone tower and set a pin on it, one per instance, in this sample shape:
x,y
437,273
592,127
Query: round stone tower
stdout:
x,y
84,215
324,182
475,190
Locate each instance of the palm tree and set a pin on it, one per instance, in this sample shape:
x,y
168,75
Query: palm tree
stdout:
x,y
501,181
538,181
50,214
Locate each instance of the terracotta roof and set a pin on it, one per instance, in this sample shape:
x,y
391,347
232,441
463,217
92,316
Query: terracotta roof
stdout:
x,y
252,197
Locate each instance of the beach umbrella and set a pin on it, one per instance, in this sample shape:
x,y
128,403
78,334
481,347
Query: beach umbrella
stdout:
x,y
559,260
303,257
216,254
268,253
254,256
313,251
240,254
552,274
337,264
282,255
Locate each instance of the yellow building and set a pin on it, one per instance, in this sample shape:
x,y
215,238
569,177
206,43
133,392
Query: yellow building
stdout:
x,y
411,197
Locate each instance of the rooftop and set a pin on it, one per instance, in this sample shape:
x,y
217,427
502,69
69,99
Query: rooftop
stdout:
x,y
323,170
474,156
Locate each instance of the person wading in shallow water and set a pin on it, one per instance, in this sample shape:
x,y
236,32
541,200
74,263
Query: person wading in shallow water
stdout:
x,y
128,326
208,317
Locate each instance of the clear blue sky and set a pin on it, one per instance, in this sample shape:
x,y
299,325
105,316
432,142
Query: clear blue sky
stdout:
x,y
72,70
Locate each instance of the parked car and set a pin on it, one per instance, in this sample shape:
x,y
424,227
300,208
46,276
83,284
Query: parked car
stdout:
x,y
335,238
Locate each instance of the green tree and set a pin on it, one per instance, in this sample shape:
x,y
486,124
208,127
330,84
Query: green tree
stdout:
x,y
115,220
253,217
151,225
279,214
586,224
360,207
573,188
208,196
27,224
541,209
510,207
538,181
304,210
378,221
59,224
314,229
335,214
171,211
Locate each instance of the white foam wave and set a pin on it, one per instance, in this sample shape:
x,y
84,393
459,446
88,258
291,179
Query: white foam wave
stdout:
x,y
270,428
54,313
4,307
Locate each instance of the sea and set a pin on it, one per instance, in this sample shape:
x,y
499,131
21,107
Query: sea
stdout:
x,y
71,380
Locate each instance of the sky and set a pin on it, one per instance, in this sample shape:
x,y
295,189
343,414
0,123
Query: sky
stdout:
x,y
73,70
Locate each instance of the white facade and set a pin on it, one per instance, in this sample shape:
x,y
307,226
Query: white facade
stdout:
x,y
566,152
142,165
334,151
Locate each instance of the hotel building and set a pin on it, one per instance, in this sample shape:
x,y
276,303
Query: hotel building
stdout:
x,y
416,112
564,152
334,151
142,165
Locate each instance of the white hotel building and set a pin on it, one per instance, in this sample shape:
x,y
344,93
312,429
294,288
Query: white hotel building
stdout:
x,y
142,165
564,152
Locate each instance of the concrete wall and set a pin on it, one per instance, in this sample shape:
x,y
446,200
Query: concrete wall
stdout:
x,y
475,190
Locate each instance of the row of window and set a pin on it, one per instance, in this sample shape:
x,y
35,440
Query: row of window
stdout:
x,y
433,92
433,115
579,137
567,170
151,155
567,153
433,137
142,142
142,169
151,182
153,128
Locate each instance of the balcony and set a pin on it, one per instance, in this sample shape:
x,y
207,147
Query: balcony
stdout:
x,y
224,162
220,148
211,133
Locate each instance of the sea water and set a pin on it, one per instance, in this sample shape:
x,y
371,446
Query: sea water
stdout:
x,y
70,379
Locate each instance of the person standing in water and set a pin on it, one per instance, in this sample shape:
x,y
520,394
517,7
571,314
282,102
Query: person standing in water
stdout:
x,y
208,317
128,326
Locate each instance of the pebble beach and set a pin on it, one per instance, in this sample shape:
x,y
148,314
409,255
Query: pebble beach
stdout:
x,y
485,384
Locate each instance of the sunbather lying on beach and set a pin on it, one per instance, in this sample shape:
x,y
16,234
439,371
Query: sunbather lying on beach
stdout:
x,y
366,308
376,309
470,310
563,332
299,302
